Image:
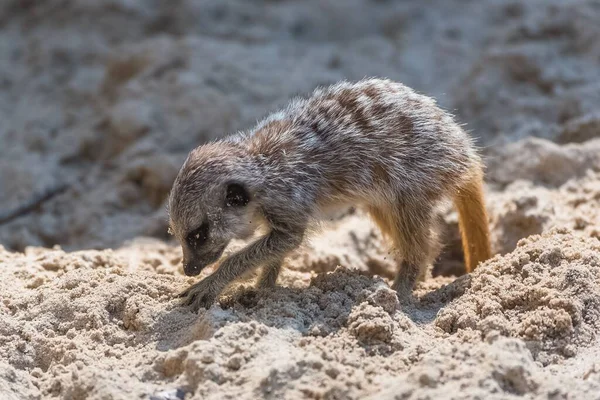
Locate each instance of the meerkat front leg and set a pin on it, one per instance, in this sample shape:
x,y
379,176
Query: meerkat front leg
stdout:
x,y
292,225
268,250
269,274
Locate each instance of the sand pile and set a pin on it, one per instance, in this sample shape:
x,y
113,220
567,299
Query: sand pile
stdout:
x,y
103,324
102,100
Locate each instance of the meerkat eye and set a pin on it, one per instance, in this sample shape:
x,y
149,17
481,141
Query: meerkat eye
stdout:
x,y
198,237
237,196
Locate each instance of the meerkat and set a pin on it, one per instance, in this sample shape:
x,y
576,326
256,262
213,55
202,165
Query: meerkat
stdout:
x,y
375,143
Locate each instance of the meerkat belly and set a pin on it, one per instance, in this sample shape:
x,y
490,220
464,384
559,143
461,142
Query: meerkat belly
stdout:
x,y
329,211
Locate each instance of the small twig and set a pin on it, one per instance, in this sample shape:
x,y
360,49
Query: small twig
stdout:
x,y
34,203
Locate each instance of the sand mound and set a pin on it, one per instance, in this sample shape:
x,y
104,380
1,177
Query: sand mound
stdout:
x,y
104,324
546,292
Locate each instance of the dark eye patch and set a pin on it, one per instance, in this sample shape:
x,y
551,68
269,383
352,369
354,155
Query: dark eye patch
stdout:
x,y
237,196
198,237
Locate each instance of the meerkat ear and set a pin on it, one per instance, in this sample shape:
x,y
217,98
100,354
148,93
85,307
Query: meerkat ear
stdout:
x,y
237,195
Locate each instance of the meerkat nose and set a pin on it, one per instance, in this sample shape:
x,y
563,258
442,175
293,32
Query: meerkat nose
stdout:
x,y
191,269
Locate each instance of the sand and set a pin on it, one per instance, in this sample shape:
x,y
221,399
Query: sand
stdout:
x,y
102,100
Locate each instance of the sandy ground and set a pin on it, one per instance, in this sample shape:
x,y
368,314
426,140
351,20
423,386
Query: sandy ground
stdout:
x,y
100,102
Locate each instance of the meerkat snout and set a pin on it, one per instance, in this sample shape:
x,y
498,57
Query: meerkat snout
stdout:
x,y
198,252
226,219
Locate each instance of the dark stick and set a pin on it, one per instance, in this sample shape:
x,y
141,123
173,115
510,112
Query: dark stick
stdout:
x,y
32,204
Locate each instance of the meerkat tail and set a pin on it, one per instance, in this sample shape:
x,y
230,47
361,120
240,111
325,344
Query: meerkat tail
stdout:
x,y
473,221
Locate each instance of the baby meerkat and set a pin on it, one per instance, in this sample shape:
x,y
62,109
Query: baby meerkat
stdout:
x,y
374,143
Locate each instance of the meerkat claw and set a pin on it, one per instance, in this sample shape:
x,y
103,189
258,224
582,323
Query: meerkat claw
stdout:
x,y
200,295
184,293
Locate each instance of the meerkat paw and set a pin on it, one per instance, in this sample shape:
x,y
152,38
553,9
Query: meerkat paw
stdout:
x,y
403,291
405,296
200,295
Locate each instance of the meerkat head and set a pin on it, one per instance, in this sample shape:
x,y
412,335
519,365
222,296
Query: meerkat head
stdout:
x,y
213,200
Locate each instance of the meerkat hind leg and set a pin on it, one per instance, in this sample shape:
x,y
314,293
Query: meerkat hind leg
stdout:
x,y
410,231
